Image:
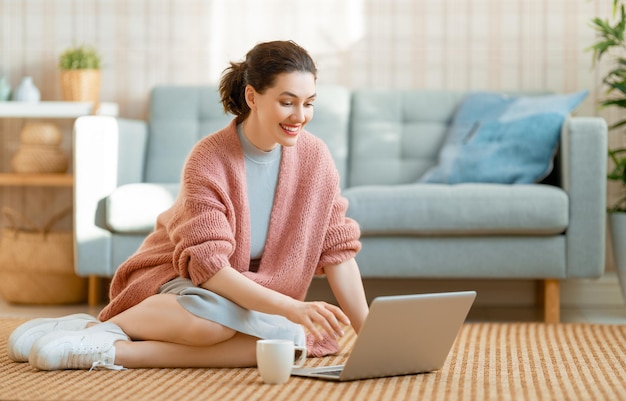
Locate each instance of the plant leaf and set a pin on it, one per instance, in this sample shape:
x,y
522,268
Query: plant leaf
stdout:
x,y
618,124
614,102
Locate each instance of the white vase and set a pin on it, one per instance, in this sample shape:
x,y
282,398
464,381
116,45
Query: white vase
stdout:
x,y
5,89
27,91
617,225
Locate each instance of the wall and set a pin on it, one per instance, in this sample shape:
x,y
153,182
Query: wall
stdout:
x,y
438,44
452,44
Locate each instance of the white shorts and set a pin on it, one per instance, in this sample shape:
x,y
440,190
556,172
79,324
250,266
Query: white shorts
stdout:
x,y
211,306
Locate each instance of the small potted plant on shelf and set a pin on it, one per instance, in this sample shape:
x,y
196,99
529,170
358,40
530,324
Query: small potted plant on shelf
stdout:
x,y
611,46
80,74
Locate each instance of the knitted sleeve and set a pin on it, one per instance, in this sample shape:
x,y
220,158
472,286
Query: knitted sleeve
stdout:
x,y
203,241
203,227
342,237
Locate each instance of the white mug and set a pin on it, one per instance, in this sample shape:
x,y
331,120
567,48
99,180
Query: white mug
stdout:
x,y
276,358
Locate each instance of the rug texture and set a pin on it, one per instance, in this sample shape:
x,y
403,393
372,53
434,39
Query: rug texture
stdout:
x,y
489,361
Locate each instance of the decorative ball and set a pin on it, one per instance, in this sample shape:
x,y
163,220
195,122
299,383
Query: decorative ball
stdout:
x,y
39,133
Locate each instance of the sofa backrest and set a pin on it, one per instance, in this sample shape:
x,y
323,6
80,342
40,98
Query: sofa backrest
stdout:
x,y
376,136
331,122
395,135
181,115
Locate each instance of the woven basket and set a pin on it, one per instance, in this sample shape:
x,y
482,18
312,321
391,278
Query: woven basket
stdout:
x,y
37,264
81,86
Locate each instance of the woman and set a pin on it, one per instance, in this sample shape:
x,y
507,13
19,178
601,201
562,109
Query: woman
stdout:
x,y
258,215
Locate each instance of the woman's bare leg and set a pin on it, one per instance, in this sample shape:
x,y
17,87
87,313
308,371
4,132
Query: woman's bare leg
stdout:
x,y
238,351
161,318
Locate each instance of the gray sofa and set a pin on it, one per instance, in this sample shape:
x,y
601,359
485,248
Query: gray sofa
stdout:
x,y
126,172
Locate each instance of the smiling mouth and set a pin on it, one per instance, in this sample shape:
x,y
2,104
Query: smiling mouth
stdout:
x,y
290,129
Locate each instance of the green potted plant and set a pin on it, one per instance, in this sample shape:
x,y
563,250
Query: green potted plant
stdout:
x,y
80,74
611,46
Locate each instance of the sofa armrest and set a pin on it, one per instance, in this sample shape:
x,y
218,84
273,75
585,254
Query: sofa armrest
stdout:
x,y
584,165
108,152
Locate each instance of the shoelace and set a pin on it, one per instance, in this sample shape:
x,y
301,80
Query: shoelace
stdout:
x,y
100,365
81,357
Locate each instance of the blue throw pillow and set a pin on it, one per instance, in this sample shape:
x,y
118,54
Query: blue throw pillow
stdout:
x,y
502,139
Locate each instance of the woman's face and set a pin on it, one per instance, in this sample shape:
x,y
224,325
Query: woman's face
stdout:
x,y
279,115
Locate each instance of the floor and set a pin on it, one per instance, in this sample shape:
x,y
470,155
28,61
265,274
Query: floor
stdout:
x,y
596,314
31,311
613,314
597,301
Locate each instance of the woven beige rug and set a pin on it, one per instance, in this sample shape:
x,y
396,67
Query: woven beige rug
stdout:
x,y
489,361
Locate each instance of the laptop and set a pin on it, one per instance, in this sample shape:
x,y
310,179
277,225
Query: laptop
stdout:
x,y
402,335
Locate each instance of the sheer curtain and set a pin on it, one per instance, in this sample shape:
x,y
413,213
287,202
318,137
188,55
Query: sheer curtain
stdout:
x,y
323,27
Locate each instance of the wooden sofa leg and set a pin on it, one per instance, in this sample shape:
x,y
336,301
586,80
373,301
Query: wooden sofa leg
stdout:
x,y
552,302
93,291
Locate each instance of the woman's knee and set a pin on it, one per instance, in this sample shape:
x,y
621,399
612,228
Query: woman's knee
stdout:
x,y
160,317
203,332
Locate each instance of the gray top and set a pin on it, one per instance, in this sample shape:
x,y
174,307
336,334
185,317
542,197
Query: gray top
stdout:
x,y
262,175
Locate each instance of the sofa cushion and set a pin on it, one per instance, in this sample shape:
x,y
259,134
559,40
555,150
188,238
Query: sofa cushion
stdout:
x,y
133,208
464,209
502,139
395,135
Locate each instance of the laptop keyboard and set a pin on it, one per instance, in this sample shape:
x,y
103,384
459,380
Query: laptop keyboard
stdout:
x,y
336,372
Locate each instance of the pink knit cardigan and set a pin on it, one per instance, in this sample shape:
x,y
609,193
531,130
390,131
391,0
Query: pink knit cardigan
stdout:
x,y
208,227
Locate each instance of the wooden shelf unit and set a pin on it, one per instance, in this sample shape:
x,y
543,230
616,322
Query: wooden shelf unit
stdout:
x,y
36,180
52,110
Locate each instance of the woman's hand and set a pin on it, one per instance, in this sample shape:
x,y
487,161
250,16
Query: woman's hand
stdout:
x,y
318,317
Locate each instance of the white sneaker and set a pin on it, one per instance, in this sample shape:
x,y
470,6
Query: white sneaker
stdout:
x,y
91,348
25,335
